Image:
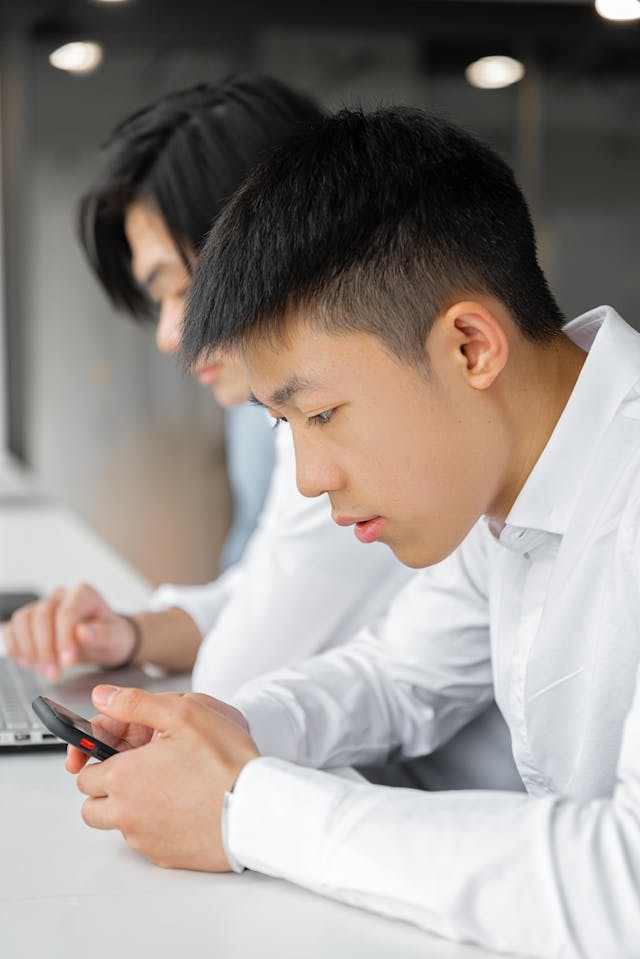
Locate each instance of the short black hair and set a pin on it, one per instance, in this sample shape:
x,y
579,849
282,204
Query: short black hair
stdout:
x,y
186,153
373,222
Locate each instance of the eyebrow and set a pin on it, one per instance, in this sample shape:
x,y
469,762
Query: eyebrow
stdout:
x,y
280,397
295,384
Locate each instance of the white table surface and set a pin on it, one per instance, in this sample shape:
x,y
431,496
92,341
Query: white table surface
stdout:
x,y
71,892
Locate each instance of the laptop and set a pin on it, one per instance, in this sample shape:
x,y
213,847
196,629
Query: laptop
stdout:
x,y
20,728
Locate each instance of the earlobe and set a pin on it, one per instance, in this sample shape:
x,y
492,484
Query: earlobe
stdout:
x,y
482,341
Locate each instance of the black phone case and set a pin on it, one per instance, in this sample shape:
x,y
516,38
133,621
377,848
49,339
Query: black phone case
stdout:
x,y
64,729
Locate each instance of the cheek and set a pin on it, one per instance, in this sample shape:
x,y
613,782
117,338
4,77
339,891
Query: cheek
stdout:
x,y
231,388
238,384
169,328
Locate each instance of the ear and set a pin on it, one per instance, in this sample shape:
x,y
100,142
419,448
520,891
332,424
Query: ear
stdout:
x,y
480,339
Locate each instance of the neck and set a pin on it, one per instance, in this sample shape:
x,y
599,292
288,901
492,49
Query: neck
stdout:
x,y
536,400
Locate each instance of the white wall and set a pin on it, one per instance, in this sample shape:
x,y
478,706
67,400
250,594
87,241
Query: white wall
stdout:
x,y
114,429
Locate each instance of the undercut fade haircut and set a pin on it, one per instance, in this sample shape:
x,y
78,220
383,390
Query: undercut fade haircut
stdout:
x,y
372,222
185,154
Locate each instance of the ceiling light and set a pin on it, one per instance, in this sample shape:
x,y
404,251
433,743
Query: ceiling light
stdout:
x,y
619,9
491,73
80,57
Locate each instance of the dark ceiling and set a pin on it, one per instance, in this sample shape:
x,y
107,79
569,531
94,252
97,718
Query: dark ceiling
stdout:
x,y
565,36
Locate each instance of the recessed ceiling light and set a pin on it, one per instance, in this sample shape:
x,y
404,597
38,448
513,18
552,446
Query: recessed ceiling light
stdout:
x,y
491,73
80,57
619,9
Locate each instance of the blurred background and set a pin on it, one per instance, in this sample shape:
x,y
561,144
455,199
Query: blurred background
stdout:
x,y
111,427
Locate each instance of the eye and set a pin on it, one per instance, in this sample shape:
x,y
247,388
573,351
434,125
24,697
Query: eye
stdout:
x,y
320,419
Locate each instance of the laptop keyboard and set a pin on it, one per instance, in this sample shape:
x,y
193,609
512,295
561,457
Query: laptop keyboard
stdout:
x,y
18,688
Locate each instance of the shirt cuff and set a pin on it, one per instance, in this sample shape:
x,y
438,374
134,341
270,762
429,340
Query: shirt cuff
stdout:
x,y
280,820
275,727
224,827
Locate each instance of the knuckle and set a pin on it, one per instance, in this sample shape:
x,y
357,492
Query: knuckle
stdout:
x,y
130,698
80,783
113,778
184,708
22,617
48,604
134,841
85,812
118,814
80,592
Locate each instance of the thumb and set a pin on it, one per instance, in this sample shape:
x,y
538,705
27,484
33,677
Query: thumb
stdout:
x,y
159,711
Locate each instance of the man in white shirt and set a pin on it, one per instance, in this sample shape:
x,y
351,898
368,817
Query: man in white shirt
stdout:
x,y
398,319
168,171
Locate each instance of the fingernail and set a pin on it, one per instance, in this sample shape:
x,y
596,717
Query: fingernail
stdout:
x,y
104,695
23,662
51,670
66,657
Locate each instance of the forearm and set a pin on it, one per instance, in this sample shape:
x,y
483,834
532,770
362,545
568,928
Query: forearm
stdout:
x,y
203,603
169,639
541,877
359,704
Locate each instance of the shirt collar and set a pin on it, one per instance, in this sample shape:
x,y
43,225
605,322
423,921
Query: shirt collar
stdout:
x,y
612,366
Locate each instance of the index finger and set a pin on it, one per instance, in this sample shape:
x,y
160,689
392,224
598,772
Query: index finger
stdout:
x,y
159,711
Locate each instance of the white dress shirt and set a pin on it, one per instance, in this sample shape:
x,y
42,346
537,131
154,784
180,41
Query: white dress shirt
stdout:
x,y
303,585
546,612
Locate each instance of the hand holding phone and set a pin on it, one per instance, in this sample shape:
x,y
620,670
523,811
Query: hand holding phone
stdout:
x,y
76,730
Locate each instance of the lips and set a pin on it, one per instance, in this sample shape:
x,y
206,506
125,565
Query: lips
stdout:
x,y
366,530
208,374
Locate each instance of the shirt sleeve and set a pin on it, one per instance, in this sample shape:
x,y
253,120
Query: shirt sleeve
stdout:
x,y
545,877
202,603
303,585
399,689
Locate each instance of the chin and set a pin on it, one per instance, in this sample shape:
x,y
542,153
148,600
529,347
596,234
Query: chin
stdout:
x,y
221,399
420,555
224,398
228,396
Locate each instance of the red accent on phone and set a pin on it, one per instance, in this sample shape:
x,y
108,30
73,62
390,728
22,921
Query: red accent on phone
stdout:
x,y
87,743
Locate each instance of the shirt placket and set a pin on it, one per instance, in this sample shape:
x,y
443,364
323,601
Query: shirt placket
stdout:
x,y
537,553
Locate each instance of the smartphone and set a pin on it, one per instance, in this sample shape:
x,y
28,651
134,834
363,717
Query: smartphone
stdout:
x,y
11,601
74,729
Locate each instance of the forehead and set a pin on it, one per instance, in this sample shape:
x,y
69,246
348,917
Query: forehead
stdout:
x,y
149,240
310,360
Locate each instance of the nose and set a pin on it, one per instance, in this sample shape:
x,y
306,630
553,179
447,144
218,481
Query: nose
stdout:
x,y
169,329
316,471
